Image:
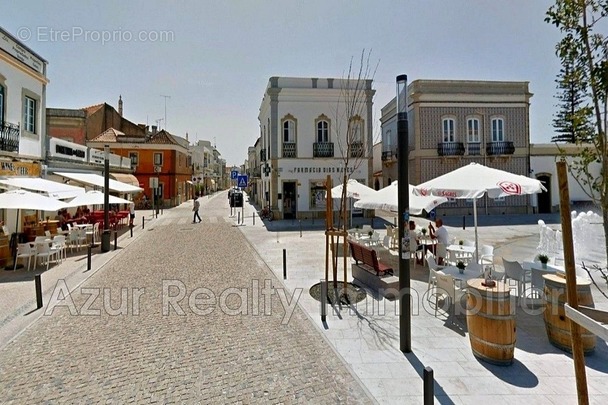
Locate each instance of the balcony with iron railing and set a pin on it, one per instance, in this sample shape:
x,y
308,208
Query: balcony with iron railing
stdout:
x,y
500,148
9,137
389,155
323,149
356,149
474,149
289,150
450,148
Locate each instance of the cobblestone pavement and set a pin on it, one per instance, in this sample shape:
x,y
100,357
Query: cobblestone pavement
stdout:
x,y
233,342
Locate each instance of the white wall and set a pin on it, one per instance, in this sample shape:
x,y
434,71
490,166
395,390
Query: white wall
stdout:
x,y
546,165
288,170
20,80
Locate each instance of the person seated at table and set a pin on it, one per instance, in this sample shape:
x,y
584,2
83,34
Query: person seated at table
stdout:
x,y
62,222
441,234
78,213
414,239
67,215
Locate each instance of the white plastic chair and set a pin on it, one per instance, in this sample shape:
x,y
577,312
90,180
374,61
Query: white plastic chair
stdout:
x,y
445,287
414,252
433,268
537,282
72,239
486,256
89,231
25,250
82,237
59,246
43,250
514,271
475,268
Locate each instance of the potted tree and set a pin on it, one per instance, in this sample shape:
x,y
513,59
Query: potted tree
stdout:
x,y
543,259
461,242
461,266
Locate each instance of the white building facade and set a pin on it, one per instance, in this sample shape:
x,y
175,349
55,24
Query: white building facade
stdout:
x,y
543,158
22,99
208,167
309,129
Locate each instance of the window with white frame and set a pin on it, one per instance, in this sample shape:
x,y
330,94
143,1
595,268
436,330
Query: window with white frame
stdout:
x,y
158,159
289,131
322,131
473,130
134,156
29,115
449,130
498,130
388,140
357,130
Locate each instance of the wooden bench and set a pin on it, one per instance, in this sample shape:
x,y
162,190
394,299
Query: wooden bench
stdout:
x,y
369,259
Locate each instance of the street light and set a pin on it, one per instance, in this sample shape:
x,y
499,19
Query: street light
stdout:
x,y
105,236
405,321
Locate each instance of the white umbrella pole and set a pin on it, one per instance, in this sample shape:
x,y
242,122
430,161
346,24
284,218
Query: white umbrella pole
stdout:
x,y
476,240
351,212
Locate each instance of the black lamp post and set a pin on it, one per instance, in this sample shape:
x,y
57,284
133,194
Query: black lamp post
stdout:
x,y
105,236
405,320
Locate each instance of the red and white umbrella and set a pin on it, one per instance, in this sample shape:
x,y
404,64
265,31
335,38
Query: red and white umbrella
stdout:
x,y
475,180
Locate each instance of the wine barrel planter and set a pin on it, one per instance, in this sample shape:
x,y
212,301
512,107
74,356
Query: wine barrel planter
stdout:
x,y
491,322
557,324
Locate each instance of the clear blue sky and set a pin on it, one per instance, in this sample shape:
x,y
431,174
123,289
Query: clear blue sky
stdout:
x,y
216,56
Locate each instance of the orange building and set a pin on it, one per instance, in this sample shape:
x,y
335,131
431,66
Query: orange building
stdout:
x,y
154,155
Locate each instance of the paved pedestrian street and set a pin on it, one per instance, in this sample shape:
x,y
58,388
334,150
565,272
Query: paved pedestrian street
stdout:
x,y
187,313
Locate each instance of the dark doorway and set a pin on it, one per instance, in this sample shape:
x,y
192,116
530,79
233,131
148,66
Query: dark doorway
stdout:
x,y
377,184
544,198
289,200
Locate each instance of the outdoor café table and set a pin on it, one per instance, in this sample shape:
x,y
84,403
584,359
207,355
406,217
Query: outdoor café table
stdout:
x,y
461,252
460,277
528,266
426,241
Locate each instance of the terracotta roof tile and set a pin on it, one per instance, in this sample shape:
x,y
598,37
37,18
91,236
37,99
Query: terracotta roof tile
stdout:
x,y
93,108
109,135
162,137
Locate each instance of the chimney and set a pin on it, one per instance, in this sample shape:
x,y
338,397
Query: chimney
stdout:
x,y
120,105
187,138
154,129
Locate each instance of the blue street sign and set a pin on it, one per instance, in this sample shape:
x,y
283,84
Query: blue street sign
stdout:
x,y
234,174
241,181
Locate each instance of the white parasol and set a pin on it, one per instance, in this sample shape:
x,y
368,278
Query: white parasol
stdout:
x,y
387,199
475,180
95,197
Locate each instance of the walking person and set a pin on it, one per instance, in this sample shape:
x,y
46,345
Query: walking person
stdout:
x,y
195,208
131,213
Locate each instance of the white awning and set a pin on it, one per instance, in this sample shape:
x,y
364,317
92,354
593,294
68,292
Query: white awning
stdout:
x,y
97,180
49,187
